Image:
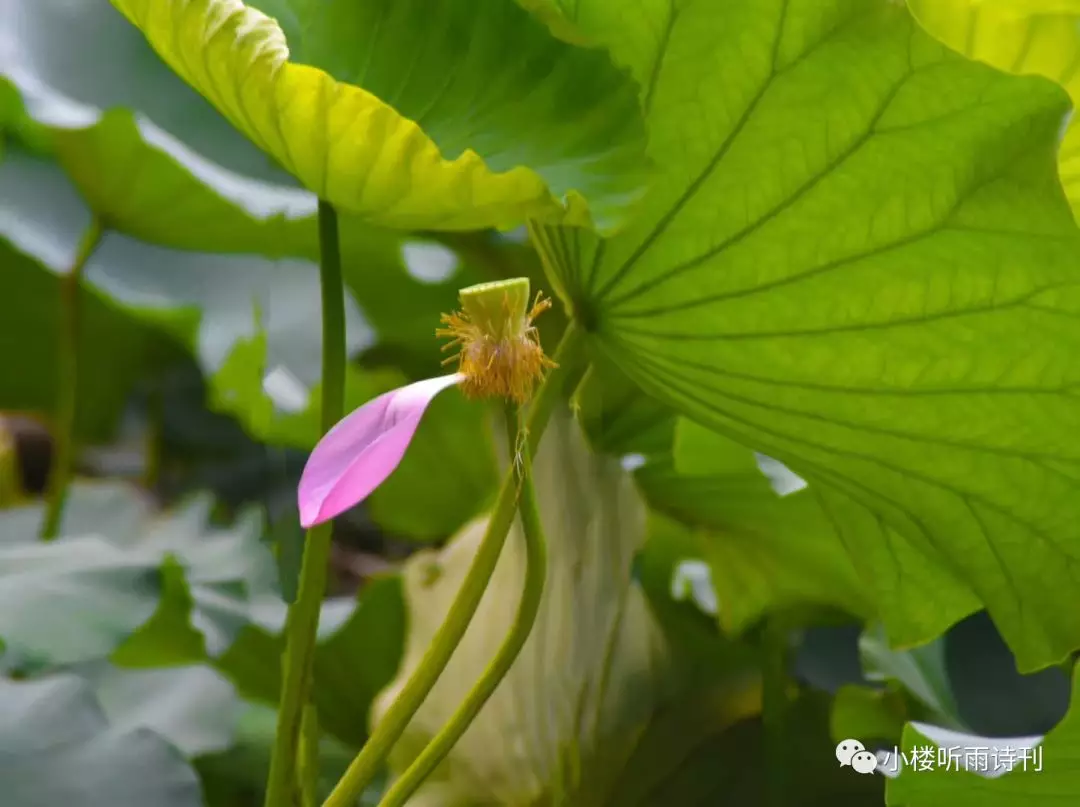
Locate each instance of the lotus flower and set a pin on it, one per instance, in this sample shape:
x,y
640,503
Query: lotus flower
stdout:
x,y
499,356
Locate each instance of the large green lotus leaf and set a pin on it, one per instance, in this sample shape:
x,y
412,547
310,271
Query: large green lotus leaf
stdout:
x,y
388,110
594,673
765,550
750,541
767,543
858,261
554,17
773,541
619,419
1025,771
636,31
1038,38
57,747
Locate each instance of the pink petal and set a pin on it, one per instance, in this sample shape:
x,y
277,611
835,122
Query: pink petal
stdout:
x,y
363,449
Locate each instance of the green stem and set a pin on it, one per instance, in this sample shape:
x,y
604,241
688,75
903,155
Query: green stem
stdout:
x,y
775,646
366,764
156,436
528,608
67,385
308,762
10,472
303,617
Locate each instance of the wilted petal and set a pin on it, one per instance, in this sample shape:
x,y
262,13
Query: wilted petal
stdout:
x,y
363,449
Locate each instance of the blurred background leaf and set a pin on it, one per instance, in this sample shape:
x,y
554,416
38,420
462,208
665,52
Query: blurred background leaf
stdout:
x,y
193,707
57,747
70,600
360,646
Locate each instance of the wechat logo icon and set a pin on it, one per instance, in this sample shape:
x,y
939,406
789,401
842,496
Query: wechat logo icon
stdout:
x,y
854,754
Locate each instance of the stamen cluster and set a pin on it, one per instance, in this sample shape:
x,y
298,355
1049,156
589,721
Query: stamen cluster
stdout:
x,y
499,351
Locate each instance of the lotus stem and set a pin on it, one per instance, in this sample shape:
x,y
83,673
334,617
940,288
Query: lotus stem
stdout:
x,y
302,621
528,608
774,712
67,383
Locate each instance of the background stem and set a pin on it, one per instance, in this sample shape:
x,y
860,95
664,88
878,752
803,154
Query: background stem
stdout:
x,y
776,655
303,618
528,608
366,764
67,383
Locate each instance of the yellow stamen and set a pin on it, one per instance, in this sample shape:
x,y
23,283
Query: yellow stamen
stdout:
x,y
500,356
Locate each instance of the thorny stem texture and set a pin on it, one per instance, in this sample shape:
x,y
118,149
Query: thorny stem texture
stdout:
x,y
366,764
283,788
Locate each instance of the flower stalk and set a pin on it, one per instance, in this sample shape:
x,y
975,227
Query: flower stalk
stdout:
x,y
68,382
528,608
283,788
366,764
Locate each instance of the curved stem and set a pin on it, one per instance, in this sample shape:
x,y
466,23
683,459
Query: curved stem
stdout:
x,y
303,617
67,384
528,608
366,764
